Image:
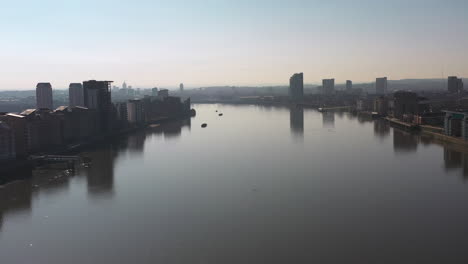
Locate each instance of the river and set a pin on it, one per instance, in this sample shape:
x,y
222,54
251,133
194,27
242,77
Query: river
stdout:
x,y
257,185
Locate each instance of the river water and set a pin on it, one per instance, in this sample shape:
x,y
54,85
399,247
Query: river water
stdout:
x,y
258,185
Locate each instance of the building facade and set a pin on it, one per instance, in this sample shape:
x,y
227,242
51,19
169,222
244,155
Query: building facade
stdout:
x,y
456,124
296,87
18,124
97,96
75,95
381,105
135,112
349,85
455,85
163,94
76,123
405,103
44,96
328,86
7,142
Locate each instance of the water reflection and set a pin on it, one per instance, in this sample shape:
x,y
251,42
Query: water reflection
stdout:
x,y
381,128
100,176
404,141
296,121
363,118
17,197
454,160
173,130
209,214
328,119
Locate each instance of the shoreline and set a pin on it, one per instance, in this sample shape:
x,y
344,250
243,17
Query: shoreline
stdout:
x,y
21,169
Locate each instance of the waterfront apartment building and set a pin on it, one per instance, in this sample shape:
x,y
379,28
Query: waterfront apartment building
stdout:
x,y
328,86
77,123
43,130
18,124
456,124
7,142
97,96
121,112
44,96
296,87
75,95
455,85
381,105
135,111
406,103
381,86
349,85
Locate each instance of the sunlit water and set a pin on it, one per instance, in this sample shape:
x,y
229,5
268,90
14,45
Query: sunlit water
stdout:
x,y
258,185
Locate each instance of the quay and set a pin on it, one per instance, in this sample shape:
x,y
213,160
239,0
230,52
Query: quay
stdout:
x,y
403,125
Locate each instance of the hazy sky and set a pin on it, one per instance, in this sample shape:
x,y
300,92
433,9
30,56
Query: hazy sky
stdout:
x,y
236,42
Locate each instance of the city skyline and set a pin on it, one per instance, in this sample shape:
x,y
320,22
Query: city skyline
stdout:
x,y
215,43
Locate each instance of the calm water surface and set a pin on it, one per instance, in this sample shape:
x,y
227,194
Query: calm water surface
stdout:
x,y
258,185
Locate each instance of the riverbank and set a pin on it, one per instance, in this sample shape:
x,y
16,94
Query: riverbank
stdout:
x,y
401,124
430,132
20,169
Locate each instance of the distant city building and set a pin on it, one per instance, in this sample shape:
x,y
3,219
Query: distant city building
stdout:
x,y
7,142
124,85
381,86
296,86
349,85
328,86
75,94
154,91
135,111
406,103
97,96
163,93
455,84
44,96
181,87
